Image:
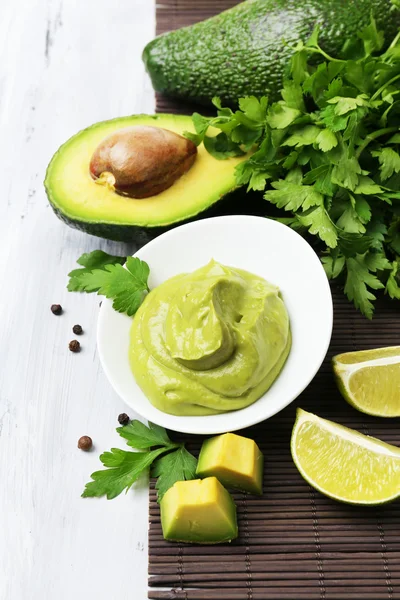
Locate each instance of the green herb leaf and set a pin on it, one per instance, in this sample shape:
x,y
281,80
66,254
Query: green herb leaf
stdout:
x,y
318,223
94,260
392,284
123,469
363,209
127,286
298,65
377,261
389,161
292,93
333,265
332,120
293,196
344,105
351,244
376,232
221,147
141,437
253,108
367,186
174,466
313,39
372,38
305,136
326,140
346,173
281,116
393,236
349,220
258,180
359,279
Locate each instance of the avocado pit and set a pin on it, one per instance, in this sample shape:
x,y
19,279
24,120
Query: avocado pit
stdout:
x,y
142,161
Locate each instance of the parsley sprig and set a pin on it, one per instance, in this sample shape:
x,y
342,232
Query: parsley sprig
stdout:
x,y
170,462
328,154
105,274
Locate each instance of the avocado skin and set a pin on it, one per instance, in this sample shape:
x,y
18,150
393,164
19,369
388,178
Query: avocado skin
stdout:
x,y
235,202
230,201
245,50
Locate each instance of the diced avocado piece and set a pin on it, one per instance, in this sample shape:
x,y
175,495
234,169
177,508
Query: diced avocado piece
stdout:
x,y
245,50
200,511
235,460
82,203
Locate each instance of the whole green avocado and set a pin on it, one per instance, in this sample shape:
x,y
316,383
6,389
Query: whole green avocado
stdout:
x,y
245,50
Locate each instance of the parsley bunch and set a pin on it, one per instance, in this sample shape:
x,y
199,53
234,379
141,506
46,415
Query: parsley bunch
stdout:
x,y
170,462
327,153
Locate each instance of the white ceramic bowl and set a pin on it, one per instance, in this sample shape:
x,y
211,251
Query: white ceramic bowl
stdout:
x,y
261,246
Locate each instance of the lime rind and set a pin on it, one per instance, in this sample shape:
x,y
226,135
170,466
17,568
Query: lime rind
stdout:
x,y
346,365
343,433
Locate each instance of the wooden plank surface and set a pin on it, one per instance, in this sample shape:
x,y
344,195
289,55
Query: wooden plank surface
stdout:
x,y
63,65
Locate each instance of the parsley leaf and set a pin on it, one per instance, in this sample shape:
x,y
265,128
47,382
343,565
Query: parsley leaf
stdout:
x,y
359,279
367,186
142,437
124,467
127,286
372,38
346,173
253,108
174,466
351,244
94,260
293,196
392,284
393,236
326,140
333,265
281,116
344,105
319,223
389,161
349,220
305,136
221,147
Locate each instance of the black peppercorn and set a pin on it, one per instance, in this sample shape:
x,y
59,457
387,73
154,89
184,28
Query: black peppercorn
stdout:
x,y
74,346
77,329
123,419
85,443
56,309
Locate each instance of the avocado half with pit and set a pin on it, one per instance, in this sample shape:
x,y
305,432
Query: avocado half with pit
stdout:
x,y
85,195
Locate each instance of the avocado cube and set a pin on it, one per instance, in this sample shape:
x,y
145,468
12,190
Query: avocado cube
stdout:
x,y
200,511
235,460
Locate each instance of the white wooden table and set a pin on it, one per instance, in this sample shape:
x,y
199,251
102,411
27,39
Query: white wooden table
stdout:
x,y
64,64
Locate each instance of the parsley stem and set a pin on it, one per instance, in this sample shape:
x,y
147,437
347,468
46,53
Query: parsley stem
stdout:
x,y
382,88
394,43
319,50
372,136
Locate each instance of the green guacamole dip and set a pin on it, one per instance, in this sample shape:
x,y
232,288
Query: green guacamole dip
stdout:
x,y
210,341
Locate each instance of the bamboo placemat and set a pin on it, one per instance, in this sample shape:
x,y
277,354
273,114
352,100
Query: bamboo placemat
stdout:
x,y
294,543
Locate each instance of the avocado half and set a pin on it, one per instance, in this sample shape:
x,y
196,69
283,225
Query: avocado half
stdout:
x,y
82,203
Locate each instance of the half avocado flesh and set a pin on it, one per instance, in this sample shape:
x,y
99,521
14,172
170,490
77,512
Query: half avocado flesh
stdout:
x,y
97,209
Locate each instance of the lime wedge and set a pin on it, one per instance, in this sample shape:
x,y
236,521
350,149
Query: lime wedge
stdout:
x,y
370,380
344,464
